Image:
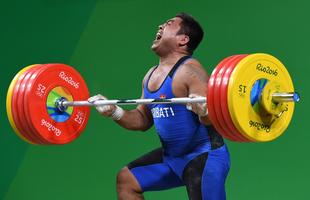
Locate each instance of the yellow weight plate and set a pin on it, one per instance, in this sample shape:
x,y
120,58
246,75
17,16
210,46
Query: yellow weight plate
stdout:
x,y
254,123
9,102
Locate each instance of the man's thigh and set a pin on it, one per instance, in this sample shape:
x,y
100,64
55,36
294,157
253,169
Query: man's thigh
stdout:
x,y
206,174
152,174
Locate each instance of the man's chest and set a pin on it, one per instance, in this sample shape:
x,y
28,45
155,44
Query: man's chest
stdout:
x,y
162,78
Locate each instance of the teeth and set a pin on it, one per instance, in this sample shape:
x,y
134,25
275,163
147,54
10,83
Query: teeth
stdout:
x,y
158,36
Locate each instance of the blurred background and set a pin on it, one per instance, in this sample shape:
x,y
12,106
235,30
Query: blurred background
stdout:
x,y
108,42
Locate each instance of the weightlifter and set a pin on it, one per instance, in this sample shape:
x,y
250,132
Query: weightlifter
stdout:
x,y
192,153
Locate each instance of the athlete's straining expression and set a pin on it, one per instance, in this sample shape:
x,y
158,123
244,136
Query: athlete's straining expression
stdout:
x,y
167,35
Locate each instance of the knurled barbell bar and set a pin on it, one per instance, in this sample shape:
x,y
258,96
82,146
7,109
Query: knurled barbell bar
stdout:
x,y
63,104
250,98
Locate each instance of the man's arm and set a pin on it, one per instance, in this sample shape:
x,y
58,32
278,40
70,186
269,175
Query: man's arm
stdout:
x,y
136,119
139,118
195,80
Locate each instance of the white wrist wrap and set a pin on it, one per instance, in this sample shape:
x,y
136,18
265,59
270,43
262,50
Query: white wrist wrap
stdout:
x,y
205,112
118,113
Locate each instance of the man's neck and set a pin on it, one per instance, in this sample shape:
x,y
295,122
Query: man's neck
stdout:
x,y
170,59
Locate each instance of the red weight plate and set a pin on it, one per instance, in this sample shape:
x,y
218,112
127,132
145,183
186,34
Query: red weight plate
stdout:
x,y
57,76
223,98
20,106
9,103
26,125
218,101
210,99
30,126
216,97
26,108
18,90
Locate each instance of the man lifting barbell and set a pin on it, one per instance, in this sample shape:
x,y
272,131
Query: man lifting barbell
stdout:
x,y
250,98
192,153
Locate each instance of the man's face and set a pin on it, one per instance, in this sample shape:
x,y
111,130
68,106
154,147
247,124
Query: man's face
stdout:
x,y
167,34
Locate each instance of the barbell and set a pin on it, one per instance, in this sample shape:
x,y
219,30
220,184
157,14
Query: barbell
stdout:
x,y
250,98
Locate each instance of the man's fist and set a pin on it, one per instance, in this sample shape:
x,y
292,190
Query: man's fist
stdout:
x,y
105,110
199,108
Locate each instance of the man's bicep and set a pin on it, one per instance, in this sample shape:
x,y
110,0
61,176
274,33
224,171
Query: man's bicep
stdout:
x,y
145,112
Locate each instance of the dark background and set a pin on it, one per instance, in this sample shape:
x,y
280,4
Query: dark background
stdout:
x,y
109,43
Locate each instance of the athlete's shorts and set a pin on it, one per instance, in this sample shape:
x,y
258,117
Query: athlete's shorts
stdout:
x,y
204,176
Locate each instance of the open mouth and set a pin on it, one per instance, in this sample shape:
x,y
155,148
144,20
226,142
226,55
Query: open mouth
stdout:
x,y
158,36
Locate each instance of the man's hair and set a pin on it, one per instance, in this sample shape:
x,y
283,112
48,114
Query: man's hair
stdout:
x,y
191,28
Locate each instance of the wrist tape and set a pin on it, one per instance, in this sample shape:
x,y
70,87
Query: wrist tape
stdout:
x,y
118,113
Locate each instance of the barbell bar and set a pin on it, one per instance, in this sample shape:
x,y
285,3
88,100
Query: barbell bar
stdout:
x,y
276,97
285,97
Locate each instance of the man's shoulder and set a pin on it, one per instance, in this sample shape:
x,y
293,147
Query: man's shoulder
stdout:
x,y
192,64
149,72
192,69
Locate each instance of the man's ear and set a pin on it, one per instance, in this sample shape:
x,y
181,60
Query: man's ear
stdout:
x,y
183,39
